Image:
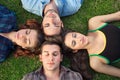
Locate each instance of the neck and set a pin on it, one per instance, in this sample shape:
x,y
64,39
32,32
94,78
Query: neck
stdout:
x,y
91,42
52,75
51,7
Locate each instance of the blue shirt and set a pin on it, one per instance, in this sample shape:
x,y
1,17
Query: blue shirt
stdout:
x,y
65,7
7,24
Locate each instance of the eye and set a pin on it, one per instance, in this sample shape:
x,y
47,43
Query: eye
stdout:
x,y
46,25
73,43
56,25
55,53
74,35
26,41
27,32
45,53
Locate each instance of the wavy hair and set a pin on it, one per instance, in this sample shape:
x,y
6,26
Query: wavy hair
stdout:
x,y
79,60
31,24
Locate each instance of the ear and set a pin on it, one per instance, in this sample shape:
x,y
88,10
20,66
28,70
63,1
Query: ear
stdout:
x,y
74,51
40,57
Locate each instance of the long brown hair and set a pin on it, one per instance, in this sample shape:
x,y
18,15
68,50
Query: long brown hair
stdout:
x,y
31,24
79,60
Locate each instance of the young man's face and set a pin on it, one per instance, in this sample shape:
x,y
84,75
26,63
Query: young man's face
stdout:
x,y
51,57
52,24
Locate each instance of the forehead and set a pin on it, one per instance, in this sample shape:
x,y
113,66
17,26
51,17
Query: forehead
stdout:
x,y
69,38
52,47
33,37
52,31
71,34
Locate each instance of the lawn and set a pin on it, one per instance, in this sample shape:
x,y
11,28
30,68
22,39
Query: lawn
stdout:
x,y
14,68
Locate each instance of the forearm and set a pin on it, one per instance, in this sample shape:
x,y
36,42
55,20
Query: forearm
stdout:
x,y
109,17
110,70
97,21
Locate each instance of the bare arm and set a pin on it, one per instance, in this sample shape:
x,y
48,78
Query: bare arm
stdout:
x,y
100,66
97,21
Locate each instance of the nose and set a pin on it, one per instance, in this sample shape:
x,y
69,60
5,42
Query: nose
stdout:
x,y
51,58
80,40
54,21
22,38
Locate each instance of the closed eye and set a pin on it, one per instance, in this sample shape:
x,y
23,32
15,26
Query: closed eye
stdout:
x,y
28,31
55,53
46,25
28,41
46,53
74,35
73,43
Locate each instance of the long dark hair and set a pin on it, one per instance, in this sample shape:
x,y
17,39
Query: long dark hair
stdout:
x,y
31,24
79,60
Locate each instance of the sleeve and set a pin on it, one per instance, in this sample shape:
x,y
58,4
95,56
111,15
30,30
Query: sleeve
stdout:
x,y
34,6
7,19
78,76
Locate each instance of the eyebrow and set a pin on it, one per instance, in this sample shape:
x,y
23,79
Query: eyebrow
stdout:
x,y
56,51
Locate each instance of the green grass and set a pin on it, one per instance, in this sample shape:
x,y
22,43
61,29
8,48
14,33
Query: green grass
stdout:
x,y
15,68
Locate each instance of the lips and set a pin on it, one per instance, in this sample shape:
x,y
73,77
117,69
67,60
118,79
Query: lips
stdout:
x,y
51,15
17,35
51,63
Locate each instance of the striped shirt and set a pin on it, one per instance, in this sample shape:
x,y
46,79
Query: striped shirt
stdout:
x,y
65,74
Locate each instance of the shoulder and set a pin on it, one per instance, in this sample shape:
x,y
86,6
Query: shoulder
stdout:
x,y
35,6
71,74
94,23
32,75
7,19
29,76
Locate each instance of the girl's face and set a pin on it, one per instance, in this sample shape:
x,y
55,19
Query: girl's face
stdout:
x,y
52,24
75,40
26,38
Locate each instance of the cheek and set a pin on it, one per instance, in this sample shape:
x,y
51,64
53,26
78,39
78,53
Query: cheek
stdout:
x,y
58,59
57,31
19,43
43,59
